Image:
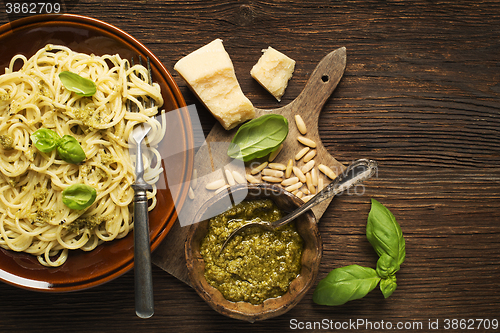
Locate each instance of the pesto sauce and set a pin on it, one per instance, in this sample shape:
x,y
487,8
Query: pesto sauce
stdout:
x,y
257,264
7,142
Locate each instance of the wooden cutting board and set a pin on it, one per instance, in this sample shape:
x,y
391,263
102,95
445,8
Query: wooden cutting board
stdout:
x,y
211,158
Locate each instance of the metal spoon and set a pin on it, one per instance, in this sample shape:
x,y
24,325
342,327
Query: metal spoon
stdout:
x,y
355,173
144,305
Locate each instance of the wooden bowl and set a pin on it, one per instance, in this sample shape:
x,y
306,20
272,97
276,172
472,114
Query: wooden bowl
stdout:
x,y
311,256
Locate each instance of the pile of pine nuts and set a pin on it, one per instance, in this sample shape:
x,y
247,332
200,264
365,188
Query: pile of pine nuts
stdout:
x,y
230,178
304,181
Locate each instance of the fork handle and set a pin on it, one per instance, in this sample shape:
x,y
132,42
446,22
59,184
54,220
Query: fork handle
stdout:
x,y
144,304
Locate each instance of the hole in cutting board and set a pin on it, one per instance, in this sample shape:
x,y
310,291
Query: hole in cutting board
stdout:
x,y
325,78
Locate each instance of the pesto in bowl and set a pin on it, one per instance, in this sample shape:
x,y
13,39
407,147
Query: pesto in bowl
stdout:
x,y
256,265
310,258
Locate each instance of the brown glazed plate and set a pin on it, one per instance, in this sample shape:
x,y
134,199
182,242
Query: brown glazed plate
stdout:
x,y
83,270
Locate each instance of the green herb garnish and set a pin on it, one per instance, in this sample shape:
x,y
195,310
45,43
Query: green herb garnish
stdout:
x,y
258,137
353,282
68,148
79,196
77,84
45,140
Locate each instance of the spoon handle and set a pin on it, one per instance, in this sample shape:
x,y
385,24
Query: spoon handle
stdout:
x,y
357,172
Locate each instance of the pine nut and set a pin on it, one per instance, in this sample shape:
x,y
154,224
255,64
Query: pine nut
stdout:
x,y
301,153
277,166
289,166
259,168
215,184
191,193
314,176
327,171
301,125
273,173
290,181
194,178
221,189
275,153
238,177
320,184
251,179
306,191
271,179
307,198
229,177
297,172
293,187
306,141
307,167
309,184
309,156
299,194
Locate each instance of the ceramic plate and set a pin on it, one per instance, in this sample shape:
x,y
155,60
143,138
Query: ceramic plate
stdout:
x,y
88,269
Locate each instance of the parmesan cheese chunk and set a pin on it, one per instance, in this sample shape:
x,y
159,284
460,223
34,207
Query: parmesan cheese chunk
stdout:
x,y
273,70
210,74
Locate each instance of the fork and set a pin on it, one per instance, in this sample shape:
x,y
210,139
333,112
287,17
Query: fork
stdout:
x,y
143,278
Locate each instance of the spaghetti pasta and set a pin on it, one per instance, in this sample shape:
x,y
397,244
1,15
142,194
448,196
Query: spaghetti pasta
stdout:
x,y
33,218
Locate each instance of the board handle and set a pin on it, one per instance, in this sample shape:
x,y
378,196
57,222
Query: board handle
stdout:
x,y
321,84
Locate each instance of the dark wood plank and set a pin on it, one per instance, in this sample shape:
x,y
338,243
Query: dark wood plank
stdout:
x,y
420,94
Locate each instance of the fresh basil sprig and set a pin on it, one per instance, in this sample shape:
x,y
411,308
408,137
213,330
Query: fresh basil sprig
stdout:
x,y
258,137
77,84
353,282
68,148
79,196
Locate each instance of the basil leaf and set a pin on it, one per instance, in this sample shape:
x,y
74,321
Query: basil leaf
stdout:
x,y
77,84
79,196
258,137
45,140
384,234
386,266
388,285
69,150
345,284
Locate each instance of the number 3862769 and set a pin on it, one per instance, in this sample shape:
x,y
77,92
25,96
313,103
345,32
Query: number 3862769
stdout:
x,y
32,8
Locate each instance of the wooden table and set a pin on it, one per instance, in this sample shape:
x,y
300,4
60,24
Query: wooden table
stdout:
x,y
420,94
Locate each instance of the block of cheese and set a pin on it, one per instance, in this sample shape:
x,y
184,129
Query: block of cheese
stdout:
x,y
210,74
273,70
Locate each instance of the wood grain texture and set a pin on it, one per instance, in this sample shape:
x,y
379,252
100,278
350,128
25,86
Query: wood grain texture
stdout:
x,y
420,94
